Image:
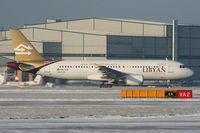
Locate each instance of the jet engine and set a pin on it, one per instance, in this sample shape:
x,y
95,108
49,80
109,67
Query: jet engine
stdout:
x,y
133,79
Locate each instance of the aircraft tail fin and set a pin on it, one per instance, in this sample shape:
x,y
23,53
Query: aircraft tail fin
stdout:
x,y
24,50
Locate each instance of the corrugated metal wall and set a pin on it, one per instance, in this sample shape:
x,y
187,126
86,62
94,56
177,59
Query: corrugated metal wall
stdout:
x,y
108,26
189,47
138,47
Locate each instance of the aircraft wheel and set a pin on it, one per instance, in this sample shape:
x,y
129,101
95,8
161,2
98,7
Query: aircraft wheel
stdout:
x,y
109,85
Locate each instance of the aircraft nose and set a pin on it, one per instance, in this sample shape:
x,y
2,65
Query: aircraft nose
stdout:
x,y
190,72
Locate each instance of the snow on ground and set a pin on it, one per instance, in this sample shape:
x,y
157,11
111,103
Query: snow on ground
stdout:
x,y
94,110
105,124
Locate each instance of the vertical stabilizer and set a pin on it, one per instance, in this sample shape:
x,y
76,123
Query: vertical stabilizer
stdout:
x,y
24,50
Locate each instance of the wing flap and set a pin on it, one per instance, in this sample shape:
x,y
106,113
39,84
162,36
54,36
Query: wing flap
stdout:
x,y
111,73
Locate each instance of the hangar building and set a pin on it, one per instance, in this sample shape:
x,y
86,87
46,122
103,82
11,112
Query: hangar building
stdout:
x,y
108,38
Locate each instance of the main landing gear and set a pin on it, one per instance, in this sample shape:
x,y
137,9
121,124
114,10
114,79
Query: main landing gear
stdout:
x,y
169,84
105,85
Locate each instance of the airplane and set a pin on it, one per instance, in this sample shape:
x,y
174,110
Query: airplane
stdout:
x,y
109,72
36,82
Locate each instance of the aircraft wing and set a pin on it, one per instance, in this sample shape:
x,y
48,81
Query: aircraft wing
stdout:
x,y
114,76
109,73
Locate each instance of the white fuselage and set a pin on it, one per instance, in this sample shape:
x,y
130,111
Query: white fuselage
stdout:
x,y
149,69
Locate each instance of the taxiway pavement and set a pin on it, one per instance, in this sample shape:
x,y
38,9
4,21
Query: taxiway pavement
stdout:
x,y
73,108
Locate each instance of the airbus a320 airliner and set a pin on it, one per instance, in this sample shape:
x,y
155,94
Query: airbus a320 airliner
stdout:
x,y
109,72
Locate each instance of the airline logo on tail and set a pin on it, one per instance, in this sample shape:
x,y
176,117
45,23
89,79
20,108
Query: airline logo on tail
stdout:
x,y
23,49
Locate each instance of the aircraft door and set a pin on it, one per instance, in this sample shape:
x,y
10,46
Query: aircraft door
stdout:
x,y
170,68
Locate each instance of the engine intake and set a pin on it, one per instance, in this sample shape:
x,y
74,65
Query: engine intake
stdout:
x,y
133,79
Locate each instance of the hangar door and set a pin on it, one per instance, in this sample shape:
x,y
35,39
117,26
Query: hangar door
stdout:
x,y
52,50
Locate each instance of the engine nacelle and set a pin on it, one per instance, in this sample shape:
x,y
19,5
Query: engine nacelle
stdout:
x,y
133,79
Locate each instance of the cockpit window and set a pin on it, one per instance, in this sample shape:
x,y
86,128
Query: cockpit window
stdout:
x,y
182,66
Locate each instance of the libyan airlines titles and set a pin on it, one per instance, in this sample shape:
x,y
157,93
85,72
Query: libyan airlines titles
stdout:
x,y
155,69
